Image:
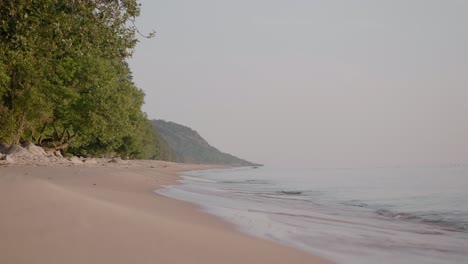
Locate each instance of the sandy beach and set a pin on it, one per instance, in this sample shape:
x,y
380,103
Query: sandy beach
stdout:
x,y
110,214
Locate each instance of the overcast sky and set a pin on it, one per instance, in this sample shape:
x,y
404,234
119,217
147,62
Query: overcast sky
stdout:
x,y
312,83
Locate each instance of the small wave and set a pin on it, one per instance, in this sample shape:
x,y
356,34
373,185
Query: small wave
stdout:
x,y
245,182
356,203
257,182
197,179
397,215
229,182
435,219
290,192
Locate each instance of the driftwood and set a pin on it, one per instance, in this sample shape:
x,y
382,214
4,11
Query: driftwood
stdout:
x,y
59,141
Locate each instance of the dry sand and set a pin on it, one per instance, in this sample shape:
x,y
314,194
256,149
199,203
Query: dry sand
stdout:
x,y
96,213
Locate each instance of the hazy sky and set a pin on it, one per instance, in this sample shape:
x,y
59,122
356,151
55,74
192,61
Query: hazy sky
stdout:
x,y
318,83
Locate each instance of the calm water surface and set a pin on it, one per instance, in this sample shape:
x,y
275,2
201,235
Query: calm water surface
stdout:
x,y
379,215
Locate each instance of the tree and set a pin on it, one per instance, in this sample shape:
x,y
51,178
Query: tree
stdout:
x,y
64,81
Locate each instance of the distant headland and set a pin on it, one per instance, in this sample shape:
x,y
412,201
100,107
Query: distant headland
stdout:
x,y
189,147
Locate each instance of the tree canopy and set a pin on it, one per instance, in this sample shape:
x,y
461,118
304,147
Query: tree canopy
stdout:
x,y
64,80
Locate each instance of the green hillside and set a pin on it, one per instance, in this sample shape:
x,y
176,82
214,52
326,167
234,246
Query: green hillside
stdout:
x,y
190,147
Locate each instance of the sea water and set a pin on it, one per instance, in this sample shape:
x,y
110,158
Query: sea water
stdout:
x,y
374,215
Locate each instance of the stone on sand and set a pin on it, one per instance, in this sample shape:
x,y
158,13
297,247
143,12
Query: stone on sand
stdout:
x,y
7,158
3,148
90,161
34,150
75,160
118,161
17,150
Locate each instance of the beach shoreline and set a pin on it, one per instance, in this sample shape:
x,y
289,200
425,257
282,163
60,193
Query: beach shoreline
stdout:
x,y
110,214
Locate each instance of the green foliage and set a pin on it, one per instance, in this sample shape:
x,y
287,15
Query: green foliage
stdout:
x,y
64,81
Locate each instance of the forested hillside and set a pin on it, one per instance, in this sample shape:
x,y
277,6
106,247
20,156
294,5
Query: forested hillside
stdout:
x,y
190,147
64,80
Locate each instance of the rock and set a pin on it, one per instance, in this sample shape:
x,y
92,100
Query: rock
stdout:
x,y
55,159
90,161
118,161
7,158
17,150
3,148
34,150
75,160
